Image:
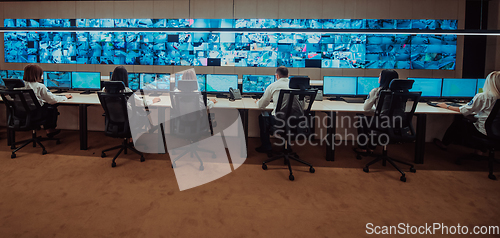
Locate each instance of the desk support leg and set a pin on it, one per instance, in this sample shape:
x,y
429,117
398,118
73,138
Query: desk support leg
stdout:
x,y
161,132
330,135
420,141
83,126
244,120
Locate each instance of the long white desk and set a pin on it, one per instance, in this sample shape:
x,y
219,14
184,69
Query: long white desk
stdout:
x,y
330,108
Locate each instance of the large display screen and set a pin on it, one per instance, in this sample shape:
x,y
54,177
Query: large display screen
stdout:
x,y
480,85
241,49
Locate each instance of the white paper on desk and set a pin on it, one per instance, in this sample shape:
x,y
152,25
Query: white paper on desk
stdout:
x,y
187,135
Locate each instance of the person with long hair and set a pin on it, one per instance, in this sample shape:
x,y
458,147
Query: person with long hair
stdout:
x,y
481,105
364,144
33,80
121,74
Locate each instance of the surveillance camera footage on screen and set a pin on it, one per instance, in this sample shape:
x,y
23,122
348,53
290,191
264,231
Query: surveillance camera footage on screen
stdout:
x,y
240,49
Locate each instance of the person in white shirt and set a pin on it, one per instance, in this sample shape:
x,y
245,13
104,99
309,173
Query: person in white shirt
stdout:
x,y
33,80
481,105
191,75
364,145
272,93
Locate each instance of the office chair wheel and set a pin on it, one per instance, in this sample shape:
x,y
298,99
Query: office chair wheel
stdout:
x,y
113,164
103,154
264,166
202,168
142,159
358,157
58,142
44,152
366,170
403,178
492,177
413,170
12,156
312,170
291,177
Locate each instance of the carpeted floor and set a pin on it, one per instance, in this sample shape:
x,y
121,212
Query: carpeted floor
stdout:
x,y
73,193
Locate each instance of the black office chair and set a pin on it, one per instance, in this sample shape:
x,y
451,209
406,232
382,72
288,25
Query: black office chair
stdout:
x,y
189,119
490,142
295,115
114,103
24,113
393,118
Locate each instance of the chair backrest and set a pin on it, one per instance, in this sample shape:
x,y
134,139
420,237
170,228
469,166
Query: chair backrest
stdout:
x,y
24,110
116,116
293,116
395,110
114,86
492,124
189,117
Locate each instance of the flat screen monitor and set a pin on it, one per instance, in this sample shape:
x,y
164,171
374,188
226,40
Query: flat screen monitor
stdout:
x,y
2,84
3,74
339,86
57,79
256,83
480,85
366,84
134,81
220,83
459,88
201,78
430,87
15,74
86,80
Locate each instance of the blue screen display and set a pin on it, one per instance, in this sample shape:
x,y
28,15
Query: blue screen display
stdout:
x,y
86,80
221,82
256,83
163,82
3,74
134,81
201,78
480,85
57,79
366,84
334,85
459,87
240,49
15,74
430,87
148,81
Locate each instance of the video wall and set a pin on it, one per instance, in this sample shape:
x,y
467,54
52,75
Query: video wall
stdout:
x,y
240,49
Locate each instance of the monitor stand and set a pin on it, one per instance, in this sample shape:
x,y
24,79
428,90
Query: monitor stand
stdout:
x,y
336,98
87,91
155,94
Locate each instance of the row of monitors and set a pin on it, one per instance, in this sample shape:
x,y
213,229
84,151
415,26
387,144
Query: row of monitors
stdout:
x,y
61,80
240,23
430,87
215,83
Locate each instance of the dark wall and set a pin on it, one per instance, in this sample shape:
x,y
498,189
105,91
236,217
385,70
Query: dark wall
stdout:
x,y
476,17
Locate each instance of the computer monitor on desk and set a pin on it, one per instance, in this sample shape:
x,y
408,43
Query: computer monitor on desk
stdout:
x,y
57,80
480,85
459,88
339,86
366,84
220,83
86,81
3,74
15,74
201,78
256,84
430,87
134,81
